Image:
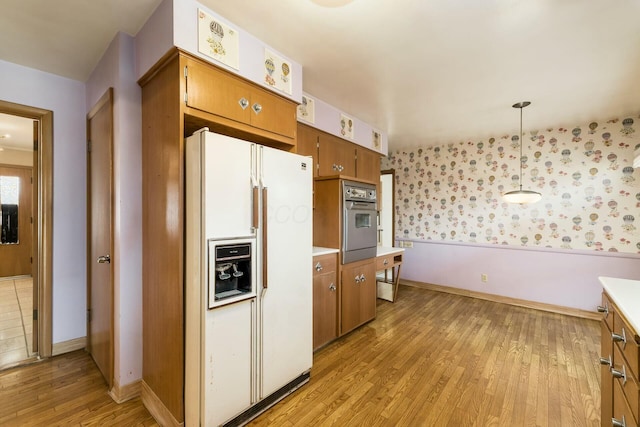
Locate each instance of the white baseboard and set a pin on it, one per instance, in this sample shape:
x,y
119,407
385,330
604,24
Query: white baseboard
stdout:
x,y
68,346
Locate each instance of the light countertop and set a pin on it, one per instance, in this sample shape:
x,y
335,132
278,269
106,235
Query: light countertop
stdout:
x,y
319,250
385,250
625,294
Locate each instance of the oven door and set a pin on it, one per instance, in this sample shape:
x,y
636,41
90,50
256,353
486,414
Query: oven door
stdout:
x,y
359,226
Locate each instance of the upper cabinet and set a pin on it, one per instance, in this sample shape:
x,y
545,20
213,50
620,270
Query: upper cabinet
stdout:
x,y
335,156
217,92
308,145
367,165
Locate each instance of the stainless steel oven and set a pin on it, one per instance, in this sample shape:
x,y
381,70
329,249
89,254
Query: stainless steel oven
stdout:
x,y
359,238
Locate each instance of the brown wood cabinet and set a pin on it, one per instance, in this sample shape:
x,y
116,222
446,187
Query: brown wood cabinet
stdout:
x,y
180,95
325,299
620,360
335,156
358,294
367,165
215,91
307,144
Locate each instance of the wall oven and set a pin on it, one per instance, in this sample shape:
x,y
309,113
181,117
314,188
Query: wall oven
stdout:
x,y
359,239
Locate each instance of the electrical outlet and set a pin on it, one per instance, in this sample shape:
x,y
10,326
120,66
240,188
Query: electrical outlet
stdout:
x,y
484,278
408,244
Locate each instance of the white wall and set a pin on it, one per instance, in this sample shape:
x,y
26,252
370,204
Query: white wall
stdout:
x,y
552,276
66,98
116,69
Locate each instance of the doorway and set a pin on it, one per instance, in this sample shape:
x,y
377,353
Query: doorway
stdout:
x,y
387,213
25,233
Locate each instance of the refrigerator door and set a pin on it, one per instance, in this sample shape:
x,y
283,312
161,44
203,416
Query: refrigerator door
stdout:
x,y
228,173
227,376
286,302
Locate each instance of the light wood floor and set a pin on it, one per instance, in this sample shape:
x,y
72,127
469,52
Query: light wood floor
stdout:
x,y
430,359
16,314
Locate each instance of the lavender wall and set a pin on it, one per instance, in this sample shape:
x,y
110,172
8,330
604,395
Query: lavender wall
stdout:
x,y
558,277
116,69
66,98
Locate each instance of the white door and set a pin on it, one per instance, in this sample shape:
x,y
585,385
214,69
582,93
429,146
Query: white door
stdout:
x,y
286,304
228,362
228,175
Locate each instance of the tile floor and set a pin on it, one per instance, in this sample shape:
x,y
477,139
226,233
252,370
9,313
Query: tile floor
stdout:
x,y
16,313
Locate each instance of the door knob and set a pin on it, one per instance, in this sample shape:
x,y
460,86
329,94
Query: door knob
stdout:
x,y
104,259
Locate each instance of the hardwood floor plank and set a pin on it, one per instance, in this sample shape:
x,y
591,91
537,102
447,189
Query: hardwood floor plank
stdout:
x,y
442,359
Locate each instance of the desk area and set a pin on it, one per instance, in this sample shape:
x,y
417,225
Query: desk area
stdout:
x,y
388,259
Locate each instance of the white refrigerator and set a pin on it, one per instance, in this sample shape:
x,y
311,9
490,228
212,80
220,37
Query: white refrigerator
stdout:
x,y
246,352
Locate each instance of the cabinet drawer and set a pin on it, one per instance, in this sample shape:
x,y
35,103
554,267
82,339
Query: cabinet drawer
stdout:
x,y
607,311
627,382
384,262
625,339
324,264
621,410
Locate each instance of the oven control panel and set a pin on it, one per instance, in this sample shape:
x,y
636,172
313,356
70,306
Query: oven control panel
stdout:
x,y
359,192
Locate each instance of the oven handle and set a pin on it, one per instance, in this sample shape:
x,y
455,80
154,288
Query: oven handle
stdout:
x,y
361,205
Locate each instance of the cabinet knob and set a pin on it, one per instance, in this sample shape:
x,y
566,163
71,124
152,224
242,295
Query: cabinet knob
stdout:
x,y
244,103
340,168
332,287
385,262
318,267
606,362
257,108
334,167
620,374
362,278
617,423
357,279
619,337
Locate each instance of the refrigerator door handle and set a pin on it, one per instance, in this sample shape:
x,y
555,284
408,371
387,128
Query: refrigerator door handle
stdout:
x,y
265,280
255,218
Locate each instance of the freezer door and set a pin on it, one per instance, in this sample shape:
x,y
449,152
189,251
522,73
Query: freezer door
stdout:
x,y
286,302
227,377
228,172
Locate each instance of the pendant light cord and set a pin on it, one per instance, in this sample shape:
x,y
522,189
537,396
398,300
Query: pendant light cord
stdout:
x,y
520,137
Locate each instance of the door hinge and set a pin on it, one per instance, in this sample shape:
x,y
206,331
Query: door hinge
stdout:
x,y
88,146
35,314
31,260
88,315
35,145
31,180
186,98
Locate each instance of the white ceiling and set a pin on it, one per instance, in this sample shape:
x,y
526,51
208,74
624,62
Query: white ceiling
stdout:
x,y
16,133
426,71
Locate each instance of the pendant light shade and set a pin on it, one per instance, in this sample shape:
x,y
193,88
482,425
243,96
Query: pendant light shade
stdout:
x,y
521,196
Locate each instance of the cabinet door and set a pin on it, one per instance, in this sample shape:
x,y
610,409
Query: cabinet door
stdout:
x,y
368,288
335,156
606,379
308,145
368,165
325,309
212,91
358,290
272,113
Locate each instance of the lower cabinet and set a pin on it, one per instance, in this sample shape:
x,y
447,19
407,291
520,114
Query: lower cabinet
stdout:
x,y
358,294
325,299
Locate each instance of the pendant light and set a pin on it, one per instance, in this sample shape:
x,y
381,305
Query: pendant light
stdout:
x,y
521,196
